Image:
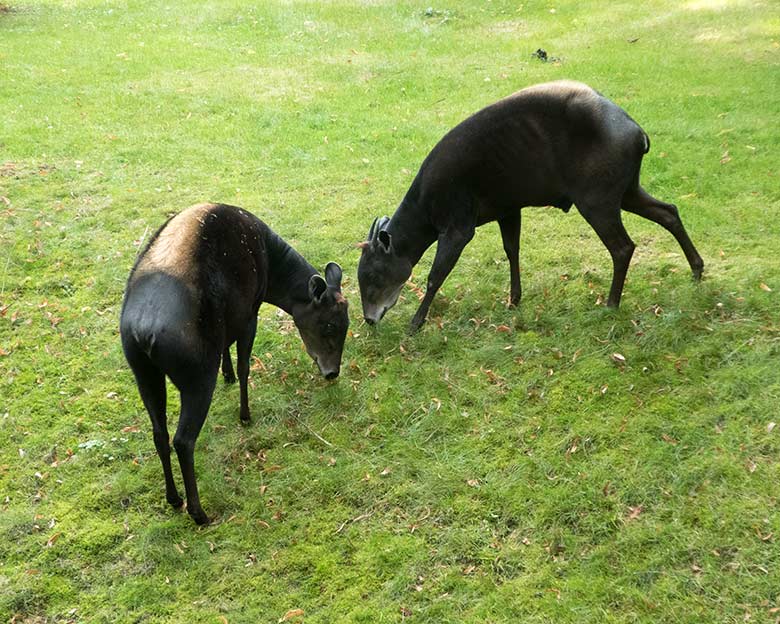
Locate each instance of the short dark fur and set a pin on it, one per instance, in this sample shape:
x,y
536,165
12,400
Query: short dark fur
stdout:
x,y
556,144
182,328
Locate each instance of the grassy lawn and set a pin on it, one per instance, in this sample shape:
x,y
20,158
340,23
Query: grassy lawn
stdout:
x,y
502,465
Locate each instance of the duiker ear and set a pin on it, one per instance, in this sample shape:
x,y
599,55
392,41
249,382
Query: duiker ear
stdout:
x,y
317,288
372,230
333,275
383,236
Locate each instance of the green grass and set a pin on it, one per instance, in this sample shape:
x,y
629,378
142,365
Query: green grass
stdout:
x,y
465,474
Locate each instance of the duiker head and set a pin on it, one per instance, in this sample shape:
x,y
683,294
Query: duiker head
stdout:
x,y
382,273
323,321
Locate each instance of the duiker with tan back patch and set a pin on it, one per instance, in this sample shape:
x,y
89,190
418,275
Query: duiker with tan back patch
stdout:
x,y
195,291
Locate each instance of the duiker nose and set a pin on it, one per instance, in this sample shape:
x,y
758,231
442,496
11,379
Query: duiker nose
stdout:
x,y
331,375
369,320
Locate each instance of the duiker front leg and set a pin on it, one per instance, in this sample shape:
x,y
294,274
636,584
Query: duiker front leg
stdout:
x,y
243,353
227,366
448,249
510,236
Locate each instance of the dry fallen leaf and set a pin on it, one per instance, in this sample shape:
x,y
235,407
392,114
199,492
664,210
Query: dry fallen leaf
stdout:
x,y
50,542
763,286
770,427
634,512
618,358
291,614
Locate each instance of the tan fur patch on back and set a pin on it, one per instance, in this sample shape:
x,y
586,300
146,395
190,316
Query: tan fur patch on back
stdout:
x,y
173,250
560,88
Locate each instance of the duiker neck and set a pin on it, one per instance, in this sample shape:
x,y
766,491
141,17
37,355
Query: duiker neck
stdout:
x,y
410,232
288,274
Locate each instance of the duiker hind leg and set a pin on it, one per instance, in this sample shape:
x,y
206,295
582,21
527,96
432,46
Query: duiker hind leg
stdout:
x,y
605,220
195,402
641,203
151,386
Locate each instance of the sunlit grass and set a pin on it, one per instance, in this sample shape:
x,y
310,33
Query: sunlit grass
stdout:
x,y
499,466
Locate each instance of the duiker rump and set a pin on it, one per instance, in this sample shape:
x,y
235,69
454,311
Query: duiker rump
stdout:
x,y
193,292
556,144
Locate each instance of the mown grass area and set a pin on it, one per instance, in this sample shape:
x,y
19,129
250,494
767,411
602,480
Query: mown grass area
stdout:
x,y
503,465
